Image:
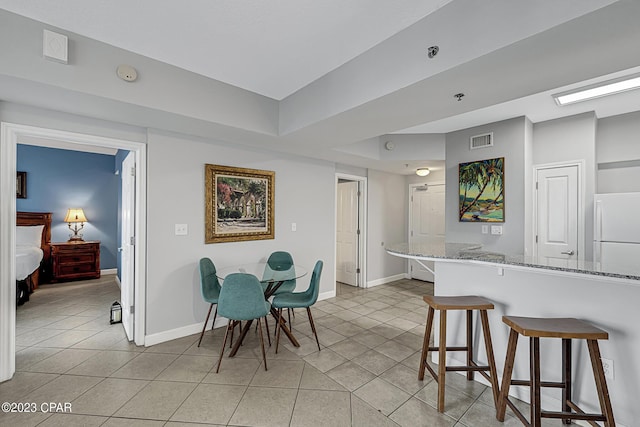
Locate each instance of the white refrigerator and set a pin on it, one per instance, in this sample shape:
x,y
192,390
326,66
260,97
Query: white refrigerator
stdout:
x,y
617,232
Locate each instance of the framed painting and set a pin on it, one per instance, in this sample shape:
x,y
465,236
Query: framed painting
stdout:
x,y
21,185
238,204
481,185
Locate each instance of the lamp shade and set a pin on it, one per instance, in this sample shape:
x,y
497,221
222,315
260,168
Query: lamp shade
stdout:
x,y
75,215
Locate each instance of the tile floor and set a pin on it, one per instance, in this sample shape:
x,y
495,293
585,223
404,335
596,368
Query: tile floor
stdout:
x,y
365,375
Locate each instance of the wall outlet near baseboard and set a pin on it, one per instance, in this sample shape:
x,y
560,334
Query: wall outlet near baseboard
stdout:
x,y
607,366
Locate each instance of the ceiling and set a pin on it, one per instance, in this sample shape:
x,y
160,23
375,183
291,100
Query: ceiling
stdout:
x,y
348,76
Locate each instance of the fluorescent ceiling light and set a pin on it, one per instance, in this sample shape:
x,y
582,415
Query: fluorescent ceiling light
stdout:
x,y
598,90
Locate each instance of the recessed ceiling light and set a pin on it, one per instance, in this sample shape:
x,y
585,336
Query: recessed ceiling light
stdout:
x,y
598,90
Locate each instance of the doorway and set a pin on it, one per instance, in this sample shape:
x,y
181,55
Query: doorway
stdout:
x,y
426,224
10,136
559,211
350,230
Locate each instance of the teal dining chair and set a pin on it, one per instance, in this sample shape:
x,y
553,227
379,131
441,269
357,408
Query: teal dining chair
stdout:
x,y
210,288
299,300
279,261
242,298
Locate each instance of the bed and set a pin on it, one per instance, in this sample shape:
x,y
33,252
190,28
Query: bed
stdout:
x,y
33,251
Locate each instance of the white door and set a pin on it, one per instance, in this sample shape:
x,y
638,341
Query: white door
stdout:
x,y
557,212
427,223
127,250
347,233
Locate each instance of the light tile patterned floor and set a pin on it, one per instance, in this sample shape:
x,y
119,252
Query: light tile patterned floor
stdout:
x,y
365,375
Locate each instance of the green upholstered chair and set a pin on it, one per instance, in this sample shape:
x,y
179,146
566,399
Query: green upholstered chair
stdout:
x,y
279,261
210,288
300,300
242,298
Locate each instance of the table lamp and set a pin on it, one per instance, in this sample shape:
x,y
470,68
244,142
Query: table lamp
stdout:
x,y
75,216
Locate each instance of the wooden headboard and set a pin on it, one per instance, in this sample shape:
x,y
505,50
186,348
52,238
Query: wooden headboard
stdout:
x,y
39,218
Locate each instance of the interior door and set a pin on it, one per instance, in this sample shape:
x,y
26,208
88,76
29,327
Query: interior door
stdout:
x,y
347,233
557,212
427,224
127,250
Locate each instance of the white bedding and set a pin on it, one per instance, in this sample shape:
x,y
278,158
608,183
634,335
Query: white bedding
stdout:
x,y
27,260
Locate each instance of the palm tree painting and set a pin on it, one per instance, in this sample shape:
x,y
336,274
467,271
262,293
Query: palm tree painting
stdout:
x,y
481,191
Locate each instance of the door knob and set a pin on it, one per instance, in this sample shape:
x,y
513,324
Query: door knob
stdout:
x,y
569,252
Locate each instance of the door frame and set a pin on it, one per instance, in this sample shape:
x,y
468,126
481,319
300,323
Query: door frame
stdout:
x,y
410,223
581,202
362,220
9,136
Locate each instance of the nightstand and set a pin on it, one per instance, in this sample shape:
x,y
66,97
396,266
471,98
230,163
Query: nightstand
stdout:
x,y
75,260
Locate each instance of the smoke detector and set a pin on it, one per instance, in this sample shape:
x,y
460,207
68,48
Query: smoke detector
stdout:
x,y
127,73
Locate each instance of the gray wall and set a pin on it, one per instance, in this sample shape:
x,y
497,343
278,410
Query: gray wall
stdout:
x,y
618,153
509,142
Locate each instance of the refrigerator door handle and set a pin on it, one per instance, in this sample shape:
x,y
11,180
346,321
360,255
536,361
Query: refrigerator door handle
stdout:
x,y
598,221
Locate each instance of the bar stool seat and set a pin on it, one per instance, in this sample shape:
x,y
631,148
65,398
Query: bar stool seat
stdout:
x,y
467,303
565,329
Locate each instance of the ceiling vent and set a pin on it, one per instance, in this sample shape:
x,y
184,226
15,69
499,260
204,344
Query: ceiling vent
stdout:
x,y
481,141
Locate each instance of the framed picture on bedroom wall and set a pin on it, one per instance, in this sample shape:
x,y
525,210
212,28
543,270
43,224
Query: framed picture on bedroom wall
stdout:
x,y
21,185
239,204
481,191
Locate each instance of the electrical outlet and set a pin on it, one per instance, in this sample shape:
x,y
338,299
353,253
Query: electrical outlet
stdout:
x,y
496,230
607,366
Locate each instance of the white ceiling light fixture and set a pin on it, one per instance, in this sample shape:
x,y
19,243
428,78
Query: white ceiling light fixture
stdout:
x,y
598,90
423,171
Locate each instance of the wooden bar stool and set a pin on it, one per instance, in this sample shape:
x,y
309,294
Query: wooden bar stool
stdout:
x,y
566,329
468,303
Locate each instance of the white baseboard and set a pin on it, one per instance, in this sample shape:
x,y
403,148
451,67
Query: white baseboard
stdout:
x,y
386,280
181,332
109,271
326,295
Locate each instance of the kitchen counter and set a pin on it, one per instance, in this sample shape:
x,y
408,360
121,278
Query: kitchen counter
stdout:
x,y
543,287
471,252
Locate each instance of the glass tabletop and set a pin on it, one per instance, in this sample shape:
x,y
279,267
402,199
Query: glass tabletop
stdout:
x,y
264,272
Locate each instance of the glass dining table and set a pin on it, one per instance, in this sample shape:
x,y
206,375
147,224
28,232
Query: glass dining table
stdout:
x,y
271,279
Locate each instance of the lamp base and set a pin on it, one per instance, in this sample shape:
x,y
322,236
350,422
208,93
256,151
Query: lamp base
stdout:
x,y
75,239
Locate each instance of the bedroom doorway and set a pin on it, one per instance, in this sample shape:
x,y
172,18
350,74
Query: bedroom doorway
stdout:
x,y
350,230
10,137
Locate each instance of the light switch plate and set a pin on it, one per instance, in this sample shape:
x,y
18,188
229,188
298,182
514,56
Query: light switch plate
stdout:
x,y
485,229
182,229
294,226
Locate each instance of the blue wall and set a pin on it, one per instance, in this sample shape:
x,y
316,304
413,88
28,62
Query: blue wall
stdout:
x,y
61,179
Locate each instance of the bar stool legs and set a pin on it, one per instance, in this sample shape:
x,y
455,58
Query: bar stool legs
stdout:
x,y
567,329
467,303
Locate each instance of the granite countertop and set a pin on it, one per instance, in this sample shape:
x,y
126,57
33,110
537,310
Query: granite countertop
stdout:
x,y
474,252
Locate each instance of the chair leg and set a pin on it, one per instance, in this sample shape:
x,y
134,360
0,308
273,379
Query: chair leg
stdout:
x,y
224,343
205,323
601,382
506,375
264,355
313,326
442,359
266,325
469,343
490,357
289,317
534,362
425,343
278,327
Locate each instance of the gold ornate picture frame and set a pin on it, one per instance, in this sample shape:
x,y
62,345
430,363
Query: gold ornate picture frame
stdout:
x,y
239,204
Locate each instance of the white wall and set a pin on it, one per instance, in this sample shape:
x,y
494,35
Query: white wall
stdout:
x,y
568,139
509,142
176,195
618,153
387,224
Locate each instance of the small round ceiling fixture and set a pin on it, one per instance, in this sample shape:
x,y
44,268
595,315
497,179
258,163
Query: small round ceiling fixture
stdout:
x,y
423,171
432,51
459,96
127,73
389,145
